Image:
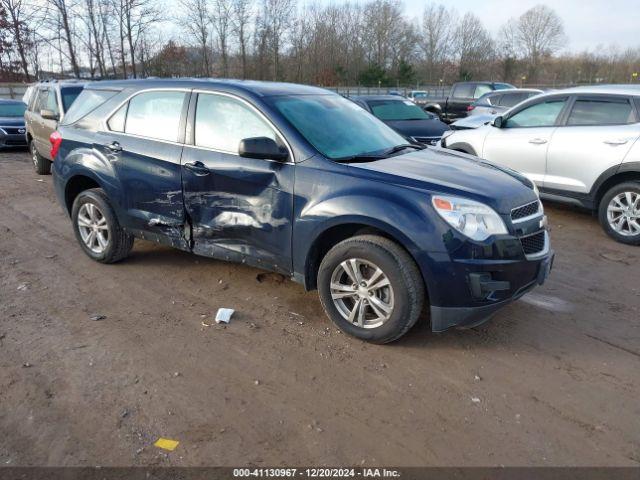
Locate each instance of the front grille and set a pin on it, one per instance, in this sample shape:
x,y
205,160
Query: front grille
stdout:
x,y
525,210
532,244
427,140
14,130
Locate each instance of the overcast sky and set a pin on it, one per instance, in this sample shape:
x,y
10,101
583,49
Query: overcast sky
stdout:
x,y
588,23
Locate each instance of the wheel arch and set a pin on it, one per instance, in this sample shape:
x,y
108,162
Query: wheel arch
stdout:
x,y
336,232
77,184
623,173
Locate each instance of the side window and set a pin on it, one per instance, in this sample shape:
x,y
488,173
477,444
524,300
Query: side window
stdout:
x,y
494,99
116,122
601,112
40,102
539,115
52,102
481,90
221,122
509,100
154,115
463,91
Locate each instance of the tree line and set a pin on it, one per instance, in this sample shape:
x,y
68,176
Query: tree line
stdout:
x,y
371,43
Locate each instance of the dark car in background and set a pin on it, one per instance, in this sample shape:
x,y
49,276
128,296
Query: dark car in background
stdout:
x,y
302,181
498,102
49,102
462,94
12,129
404,116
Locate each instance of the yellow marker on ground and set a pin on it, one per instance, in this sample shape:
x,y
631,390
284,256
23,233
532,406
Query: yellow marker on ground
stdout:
x,y
166,444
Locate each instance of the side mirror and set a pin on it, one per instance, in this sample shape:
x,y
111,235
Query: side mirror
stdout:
x,y
263,148
49,115
498,122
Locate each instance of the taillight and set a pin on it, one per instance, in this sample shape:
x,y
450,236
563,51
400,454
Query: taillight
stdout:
x,y
56,139
470,107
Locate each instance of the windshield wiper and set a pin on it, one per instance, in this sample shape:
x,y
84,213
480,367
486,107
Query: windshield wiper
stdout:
x,y
399,148
361,157
370,157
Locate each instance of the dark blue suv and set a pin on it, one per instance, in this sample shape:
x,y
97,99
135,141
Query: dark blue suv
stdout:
x,y
301,181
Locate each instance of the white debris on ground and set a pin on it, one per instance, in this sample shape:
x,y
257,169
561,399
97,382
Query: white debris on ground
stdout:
x,y
224,315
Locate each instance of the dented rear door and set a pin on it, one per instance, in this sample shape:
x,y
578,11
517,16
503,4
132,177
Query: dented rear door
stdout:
x,y
240,208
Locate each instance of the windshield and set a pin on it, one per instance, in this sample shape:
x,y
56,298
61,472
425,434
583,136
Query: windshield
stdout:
x,y
12,109
419,94
397,110
335,126
69,95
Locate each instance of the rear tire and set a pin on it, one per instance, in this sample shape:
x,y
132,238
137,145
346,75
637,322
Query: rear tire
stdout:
x,y
97,229
41,165
388,297
619,213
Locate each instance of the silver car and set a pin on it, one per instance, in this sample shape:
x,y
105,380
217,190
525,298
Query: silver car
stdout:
x,y
419,97
578,145
498,102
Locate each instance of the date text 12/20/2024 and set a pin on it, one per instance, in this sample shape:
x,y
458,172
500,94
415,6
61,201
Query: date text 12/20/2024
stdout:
x,y
315,472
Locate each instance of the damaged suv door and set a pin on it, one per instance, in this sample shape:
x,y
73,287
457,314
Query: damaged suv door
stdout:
x,y
142,142
240,207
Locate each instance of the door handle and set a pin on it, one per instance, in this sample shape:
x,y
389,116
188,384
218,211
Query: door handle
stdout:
x,y
197,168
538,141
113,147
616,142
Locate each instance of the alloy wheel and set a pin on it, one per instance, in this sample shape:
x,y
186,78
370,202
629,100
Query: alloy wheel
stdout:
x,y
623,214
34,154
93,228
362,293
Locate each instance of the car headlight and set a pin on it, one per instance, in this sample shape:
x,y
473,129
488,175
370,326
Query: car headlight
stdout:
x,y
473,219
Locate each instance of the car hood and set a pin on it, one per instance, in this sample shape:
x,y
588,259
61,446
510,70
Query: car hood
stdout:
x,y
443,171
12,121
431,127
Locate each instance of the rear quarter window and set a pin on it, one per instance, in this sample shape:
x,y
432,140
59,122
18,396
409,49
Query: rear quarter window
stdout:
x,y
69,95
86,103
601,112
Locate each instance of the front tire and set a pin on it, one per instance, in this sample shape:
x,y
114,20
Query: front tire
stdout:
x,y
619,213
371,288
41,165
97,229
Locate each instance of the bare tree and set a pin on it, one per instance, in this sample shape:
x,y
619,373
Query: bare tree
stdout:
x,y
197,21
134,18
474,46
241,18
221,19
19,17
436,38
105,19
383,20
536,34
94,35
276,18
63,14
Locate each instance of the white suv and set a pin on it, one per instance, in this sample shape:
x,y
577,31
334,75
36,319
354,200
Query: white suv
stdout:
x,y
578,145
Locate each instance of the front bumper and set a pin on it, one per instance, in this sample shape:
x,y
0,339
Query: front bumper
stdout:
x,y
481,283
8,140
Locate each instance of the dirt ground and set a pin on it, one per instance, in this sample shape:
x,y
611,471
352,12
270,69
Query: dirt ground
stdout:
x,y
553,379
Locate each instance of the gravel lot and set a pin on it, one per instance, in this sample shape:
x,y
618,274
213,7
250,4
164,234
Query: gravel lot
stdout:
x,y
553,379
